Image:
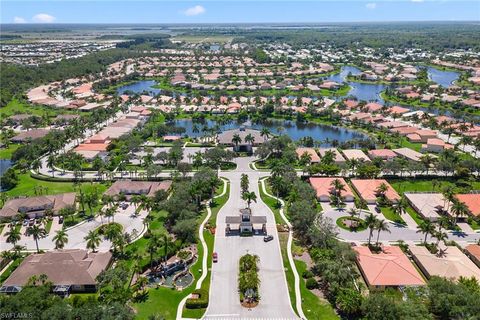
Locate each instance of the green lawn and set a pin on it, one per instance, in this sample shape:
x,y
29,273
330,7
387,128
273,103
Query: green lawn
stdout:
x,y
271,203
26,186
283,238
7,153
390,215
419,184
313,307
10,269
164,301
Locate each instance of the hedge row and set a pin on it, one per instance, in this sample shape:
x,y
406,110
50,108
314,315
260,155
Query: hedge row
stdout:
x,y
200,302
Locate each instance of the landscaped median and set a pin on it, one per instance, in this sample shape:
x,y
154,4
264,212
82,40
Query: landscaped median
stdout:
x,y
248,281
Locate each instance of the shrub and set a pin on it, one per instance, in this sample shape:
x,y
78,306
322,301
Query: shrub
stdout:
x,y
307,274
200,302
311,283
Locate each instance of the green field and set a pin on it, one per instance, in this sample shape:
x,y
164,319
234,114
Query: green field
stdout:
x,y
6,153
26,186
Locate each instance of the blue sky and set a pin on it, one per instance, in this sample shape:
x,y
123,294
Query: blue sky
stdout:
x,y
227,11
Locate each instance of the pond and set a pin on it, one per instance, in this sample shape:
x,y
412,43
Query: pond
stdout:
x,y
293,129
143,86
361,91
4,165
442,77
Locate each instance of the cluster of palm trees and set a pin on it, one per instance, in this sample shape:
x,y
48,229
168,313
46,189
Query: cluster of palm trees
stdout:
x,y
248,196
428,228
336,198
375,224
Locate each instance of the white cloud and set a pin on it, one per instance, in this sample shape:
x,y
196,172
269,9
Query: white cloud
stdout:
x,y
19,20
43,18
194,11
371,5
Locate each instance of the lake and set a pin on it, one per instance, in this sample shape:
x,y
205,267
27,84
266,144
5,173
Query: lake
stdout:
x,y
361,91
293,129
442,77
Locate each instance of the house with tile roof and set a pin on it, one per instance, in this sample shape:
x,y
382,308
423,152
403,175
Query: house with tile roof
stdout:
x,y
390,268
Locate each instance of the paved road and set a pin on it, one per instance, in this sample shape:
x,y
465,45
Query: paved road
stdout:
x,y
224,298
397,232
133,225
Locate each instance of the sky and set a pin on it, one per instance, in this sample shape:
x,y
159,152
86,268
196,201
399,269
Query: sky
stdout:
x,y
230,11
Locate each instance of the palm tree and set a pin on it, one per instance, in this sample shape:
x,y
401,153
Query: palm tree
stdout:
x,y
382,225
244,183
36,164
93,240
51,164
459,209
152,247
236,140
371,222
338,187
353,212
61,239
440,236
249,197
265,133
426,227
250,139
401,206
13,235
382,190
36,232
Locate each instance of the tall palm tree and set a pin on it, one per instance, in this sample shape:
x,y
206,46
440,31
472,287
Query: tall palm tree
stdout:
x,y
249,197
236,140
37,233
401,206
93,240
51,164
265,133
61,239
459,209
426,227
250,139
152,247
371,222
13,235
382,190
382,225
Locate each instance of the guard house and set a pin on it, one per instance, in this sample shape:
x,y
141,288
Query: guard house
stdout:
x,y
245,223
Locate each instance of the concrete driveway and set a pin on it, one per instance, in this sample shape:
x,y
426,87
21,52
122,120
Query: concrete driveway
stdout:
x,y
224,297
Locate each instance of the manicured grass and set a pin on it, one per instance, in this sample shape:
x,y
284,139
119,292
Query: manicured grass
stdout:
x,y
414,215
313,307
26,186
273,204
283,238
392,216
7,153
341,224
48,226
10,269
420,184
475,225
218,203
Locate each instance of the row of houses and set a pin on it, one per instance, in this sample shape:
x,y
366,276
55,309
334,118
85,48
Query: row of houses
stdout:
x,y
429,205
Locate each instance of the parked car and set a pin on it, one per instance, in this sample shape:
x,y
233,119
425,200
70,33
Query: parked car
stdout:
x,y
60,219
25,222
31,222
377,209
215,257
268,238
124,205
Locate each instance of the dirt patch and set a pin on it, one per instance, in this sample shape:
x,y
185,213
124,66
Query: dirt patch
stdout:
x,y
249,304
305,257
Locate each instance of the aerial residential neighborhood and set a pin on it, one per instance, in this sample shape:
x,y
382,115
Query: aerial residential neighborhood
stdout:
x,y
240,160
